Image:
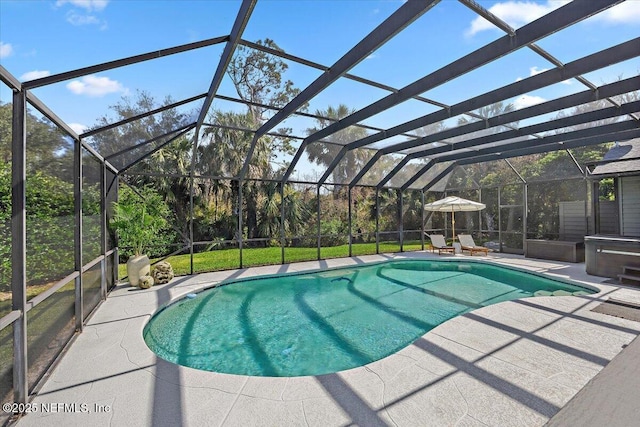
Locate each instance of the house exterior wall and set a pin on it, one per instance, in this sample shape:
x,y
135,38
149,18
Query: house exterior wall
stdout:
x,y
573,220
630,206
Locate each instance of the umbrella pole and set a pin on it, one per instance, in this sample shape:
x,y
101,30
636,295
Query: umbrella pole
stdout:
x,y
453,224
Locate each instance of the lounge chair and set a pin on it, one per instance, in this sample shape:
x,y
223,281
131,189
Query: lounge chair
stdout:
x,y
467,244
437,242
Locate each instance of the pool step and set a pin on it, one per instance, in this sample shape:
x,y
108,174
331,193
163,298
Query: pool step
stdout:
x,y
630,275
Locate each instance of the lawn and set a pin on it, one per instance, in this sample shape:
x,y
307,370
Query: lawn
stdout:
x,y
227,259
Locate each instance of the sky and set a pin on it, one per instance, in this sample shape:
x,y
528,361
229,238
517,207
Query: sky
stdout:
x,y
40,38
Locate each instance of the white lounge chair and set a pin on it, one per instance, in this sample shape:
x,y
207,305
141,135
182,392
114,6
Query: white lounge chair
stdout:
x,y
467,244
437,242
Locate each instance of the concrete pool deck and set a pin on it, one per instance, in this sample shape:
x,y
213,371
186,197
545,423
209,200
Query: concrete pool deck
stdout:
x,y
514,363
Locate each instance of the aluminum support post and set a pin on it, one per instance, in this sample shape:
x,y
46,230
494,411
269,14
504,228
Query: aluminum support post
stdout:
x,y
423,219
191,184
400,196
480,212
103,231
525,192
116,254
350,223
595,206
377,220
77,198
500,217
318,220
19,245
282,210
240,226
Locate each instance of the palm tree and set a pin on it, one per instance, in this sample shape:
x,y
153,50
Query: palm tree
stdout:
x,y
222,148
487,112
222,153
296,213
388,203
269,221
323,154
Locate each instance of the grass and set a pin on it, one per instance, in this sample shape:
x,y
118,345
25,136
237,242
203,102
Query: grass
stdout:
x,y
32,291
227,259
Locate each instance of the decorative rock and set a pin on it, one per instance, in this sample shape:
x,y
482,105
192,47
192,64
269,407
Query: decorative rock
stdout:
x,y
145,282
162,272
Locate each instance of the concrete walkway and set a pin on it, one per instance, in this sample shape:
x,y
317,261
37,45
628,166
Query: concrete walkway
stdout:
x,y
610,398
514,363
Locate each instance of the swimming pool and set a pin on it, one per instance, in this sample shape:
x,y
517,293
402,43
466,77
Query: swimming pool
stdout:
x,y
327,321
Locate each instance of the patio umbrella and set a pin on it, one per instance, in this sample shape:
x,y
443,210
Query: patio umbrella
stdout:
x,y
454,204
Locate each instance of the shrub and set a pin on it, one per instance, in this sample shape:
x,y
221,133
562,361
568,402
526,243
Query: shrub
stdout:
x,y
141,223
50,227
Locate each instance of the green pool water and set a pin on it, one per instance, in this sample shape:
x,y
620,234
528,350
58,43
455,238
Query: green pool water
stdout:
x,y
328,321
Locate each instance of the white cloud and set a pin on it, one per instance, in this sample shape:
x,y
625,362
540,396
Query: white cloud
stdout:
x,y
518,13
535,70
85,17
78,128
32,75
78,19
5,49
95,86
527,101
514,13
623,13
372,56
90,5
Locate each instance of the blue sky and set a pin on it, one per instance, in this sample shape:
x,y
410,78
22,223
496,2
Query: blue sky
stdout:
x,y
39,38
